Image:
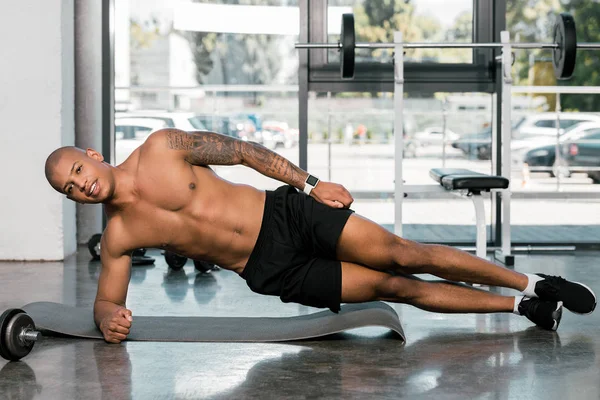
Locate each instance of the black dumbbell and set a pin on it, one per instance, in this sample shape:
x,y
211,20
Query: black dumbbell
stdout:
x,y
203,266
175,261
94,246
17,334
139,257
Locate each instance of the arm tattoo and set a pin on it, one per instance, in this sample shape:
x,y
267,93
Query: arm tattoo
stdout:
x,y
273,165
212,148
205,147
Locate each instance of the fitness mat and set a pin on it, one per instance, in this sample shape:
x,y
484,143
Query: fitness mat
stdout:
x,y
55,318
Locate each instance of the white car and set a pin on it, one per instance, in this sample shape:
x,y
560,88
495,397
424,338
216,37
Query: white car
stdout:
x,y
530,133
130,133
434,136
136,128
545,124
187,121
276,133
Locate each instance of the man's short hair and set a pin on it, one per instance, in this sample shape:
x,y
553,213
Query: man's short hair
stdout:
x,y
53,160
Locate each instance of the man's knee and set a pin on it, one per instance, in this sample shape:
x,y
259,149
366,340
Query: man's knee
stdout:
x,y
398,288
411,255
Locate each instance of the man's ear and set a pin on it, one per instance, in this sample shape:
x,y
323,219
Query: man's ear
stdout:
x,y
94,154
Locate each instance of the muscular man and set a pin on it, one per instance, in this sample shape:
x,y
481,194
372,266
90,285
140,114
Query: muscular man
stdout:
x,y
305,248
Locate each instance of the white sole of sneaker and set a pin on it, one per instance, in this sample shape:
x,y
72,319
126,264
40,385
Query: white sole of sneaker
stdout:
x,y
557,315
593,294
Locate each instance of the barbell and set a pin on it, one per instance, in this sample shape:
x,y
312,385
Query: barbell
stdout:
x,y
564,46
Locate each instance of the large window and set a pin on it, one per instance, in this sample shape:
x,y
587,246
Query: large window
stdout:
x,y
211,65
555,150
233,68
352,142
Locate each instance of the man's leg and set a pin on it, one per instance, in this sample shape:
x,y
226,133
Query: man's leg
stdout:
x,y
367,243
361,284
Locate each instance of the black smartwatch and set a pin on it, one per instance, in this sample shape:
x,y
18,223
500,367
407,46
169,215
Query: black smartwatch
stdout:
x,y
310,183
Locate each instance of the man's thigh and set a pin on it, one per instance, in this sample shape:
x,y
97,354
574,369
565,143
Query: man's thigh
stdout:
x,y
364,242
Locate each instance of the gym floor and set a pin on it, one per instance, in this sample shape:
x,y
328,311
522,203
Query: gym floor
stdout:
x,y
499,356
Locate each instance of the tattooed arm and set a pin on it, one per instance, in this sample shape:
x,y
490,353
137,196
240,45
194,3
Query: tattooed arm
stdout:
x,y
204,148
209,148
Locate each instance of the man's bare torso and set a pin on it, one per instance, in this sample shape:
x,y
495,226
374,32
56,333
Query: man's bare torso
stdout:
x,y
186,209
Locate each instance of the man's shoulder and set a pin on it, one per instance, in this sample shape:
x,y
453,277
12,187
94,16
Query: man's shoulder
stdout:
x,y
160,143
115,237
156,140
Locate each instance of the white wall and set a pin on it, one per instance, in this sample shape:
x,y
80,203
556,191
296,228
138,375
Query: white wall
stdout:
x,y
37,114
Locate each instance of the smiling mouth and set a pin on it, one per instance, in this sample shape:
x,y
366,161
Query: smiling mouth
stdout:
x,y
93,188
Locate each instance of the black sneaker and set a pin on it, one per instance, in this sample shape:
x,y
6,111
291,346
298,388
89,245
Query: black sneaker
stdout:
x,y
546,314
575,296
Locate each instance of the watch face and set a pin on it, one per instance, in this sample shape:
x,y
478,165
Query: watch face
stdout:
x,y
312,180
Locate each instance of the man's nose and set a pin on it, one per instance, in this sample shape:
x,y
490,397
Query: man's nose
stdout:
x,y
80,184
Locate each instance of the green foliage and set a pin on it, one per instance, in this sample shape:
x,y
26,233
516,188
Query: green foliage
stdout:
x,y
243,59
377,20
202,44
533,21
143,33
587,21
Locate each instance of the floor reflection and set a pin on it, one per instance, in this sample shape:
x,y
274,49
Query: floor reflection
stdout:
x,y
497,356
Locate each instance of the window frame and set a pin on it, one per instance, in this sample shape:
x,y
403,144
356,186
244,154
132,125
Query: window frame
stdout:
x,y
478,76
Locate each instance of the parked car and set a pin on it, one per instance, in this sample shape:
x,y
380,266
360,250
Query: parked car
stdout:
x,y
235,126
187,121
582,153
130,133
476,144
528,132
277,133
434,136
136,128
544,124
573,152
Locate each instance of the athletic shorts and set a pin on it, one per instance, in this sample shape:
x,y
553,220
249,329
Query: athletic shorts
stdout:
x,y
295,253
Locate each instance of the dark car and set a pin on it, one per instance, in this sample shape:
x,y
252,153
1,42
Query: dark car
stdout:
x,y
543,159
234,126
476,144
584,153
579,149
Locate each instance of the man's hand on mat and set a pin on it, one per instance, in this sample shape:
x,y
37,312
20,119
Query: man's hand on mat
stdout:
x,y
115,327
332,194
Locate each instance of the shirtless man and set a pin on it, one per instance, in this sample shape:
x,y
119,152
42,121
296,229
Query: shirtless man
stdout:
x,y
306,248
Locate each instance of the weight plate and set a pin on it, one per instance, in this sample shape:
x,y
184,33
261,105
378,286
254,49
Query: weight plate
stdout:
x,y
94,246
139,252
142,260
203,266
348,40
564,57
175,261
10,322
16,348
4,320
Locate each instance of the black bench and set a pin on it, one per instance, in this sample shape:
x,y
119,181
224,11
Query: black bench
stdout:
x,y
464,179
474,183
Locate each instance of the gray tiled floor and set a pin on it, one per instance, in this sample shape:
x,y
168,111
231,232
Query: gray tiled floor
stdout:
x,y
446,356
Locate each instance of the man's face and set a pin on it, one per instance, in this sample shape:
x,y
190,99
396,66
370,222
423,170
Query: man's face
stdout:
x,y
82,176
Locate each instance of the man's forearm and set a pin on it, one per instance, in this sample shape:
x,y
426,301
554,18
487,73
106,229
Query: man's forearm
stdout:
x,y
103,309
271,164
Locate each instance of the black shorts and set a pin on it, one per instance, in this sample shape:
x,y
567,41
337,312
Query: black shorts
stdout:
x,y
295,254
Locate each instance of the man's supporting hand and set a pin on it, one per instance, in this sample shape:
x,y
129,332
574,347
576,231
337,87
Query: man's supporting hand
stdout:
x,y
115,326
332,194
